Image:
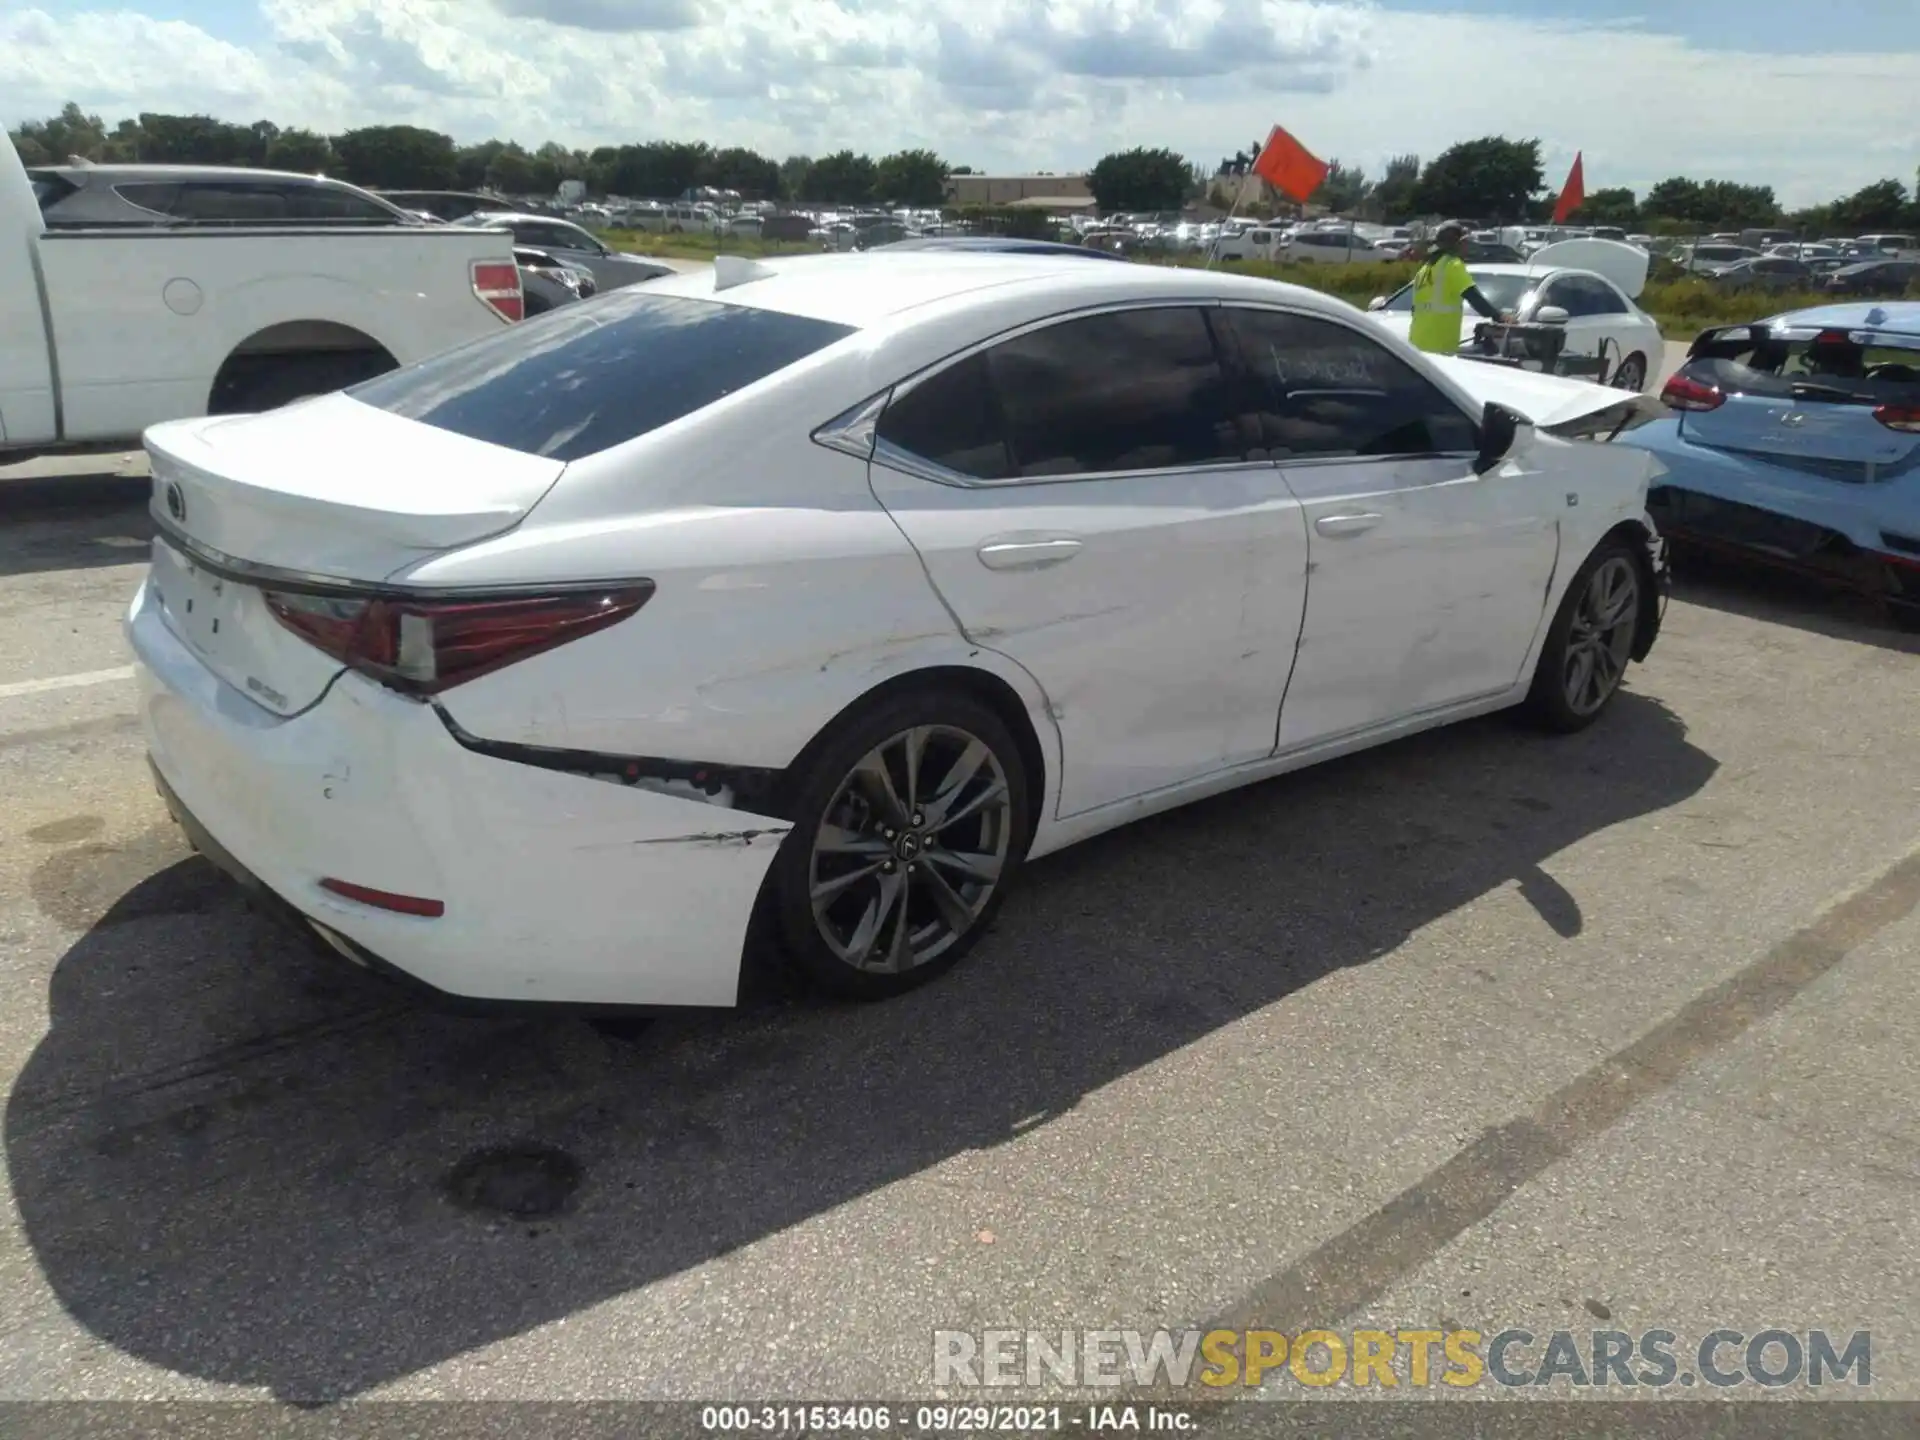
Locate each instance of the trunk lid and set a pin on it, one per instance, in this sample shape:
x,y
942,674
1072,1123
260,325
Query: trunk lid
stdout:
x,y
333,487
1625,265
1840,441
323,490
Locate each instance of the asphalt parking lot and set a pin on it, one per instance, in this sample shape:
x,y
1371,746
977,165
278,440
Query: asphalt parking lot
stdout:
x,y
1482,1029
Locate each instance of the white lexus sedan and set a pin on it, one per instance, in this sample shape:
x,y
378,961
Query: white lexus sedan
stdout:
x,y
807,598
1591,287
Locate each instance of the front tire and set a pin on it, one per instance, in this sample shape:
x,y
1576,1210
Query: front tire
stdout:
x,y
1590,641
910,822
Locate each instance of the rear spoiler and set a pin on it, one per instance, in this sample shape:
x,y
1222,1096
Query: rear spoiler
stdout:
x,y
1748,336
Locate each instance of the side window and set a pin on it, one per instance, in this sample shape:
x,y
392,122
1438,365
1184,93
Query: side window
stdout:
x,y
1603,298
234,202
1327,390
322,202
1125,390
1565,293
157,196
952,420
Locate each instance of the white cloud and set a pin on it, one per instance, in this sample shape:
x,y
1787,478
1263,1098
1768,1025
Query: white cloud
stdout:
x,y
1022,84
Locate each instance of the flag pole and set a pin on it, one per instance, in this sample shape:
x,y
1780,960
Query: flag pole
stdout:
x,y
1213,250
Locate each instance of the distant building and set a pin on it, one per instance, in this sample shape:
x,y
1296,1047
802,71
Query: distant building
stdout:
x,y
1029,192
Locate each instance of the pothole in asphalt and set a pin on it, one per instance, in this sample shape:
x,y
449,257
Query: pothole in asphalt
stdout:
x,y
525,1181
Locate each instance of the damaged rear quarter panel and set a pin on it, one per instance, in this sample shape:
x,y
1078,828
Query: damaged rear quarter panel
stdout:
x,y
768,621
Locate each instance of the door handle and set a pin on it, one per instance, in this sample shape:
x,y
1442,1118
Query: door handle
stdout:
x,y
1027,554
1347,524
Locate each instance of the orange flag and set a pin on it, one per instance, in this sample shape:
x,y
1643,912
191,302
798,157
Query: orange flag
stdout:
x,y
1289,166
1573,195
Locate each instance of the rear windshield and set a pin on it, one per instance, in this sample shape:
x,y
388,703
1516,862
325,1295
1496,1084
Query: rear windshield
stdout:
x,y
585,378
1831,368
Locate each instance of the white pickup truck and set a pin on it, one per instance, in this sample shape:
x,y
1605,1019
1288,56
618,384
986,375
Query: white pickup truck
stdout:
x,y
104,332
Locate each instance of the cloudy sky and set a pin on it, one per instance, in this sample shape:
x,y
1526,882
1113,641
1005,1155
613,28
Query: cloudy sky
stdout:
x,y
1815,97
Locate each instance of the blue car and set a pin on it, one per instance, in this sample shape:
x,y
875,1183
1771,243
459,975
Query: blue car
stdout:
x,y
1797,439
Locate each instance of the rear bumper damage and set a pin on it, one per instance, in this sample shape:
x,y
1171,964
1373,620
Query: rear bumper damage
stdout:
x,y
558,889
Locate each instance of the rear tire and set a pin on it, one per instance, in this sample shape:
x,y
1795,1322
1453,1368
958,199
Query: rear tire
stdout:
x,y
910,823
1631,374
266,382
1590,642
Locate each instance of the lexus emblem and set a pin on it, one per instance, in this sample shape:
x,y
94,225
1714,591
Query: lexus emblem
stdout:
x,y
176,501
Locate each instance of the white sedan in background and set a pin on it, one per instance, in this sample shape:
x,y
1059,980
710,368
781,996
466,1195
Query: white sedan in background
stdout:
x,y
817,594
1589,286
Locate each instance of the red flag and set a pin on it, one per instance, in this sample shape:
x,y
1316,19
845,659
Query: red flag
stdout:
x,y
1289,166
1574,195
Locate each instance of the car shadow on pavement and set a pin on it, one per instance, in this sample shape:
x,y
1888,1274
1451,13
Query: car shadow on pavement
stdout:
x,y
76,522
1759,591
235,1164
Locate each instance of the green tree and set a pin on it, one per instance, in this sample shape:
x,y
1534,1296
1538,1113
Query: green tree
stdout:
x,y
398,157
1141,179
1677,198
911,177
1395,193
471,163
793,176
842,178
1492,178
193,140
1735,207
51,141
748,171
1344,190
510,171
300,150
1608,207
1881,206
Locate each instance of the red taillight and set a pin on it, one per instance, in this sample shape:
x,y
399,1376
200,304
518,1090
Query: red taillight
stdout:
x,y
497,284
1685,393
1904,418
386,899
421,647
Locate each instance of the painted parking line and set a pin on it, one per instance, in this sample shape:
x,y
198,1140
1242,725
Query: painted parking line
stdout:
x,y
66,682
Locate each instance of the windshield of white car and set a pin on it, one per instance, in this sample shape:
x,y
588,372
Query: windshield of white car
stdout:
x,y
1503,291
588,377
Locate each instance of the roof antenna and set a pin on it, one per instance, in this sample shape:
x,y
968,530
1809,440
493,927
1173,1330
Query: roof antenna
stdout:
x,y
732,270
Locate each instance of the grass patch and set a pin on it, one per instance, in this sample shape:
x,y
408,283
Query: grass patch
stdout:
x,y
700,246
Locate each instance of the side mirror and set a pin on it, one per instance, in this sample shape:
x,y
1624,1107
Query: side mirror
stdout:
x,y
1503,435
1378,302
1551,315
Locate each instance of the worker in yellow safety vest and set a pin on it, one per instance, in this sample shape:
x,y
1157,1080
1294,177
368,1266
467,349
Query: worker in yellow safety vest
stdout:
x,y
1442,289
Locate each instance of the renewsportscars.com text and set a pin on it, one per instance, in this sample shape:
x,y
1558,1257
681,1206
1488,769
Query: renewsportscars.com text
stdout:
x,y
1218,1360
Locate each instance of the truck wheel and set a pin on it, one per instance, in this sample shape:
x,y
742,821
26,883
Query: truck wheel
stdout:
x,y
266,382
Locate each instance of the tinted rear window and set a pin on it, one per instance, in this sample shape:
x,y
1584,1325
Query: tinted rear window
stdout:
x,y
585,378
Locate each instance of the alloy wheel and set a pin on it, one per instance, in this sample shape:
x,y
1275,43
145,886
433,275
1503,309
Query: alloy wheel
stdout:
x,y
1600,639
911,849
1631,375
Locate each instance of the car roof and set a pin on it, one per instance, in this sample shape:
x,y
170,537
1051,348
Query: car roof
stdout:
x,y
999,245
874,289
111,173
512,217
1889,317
